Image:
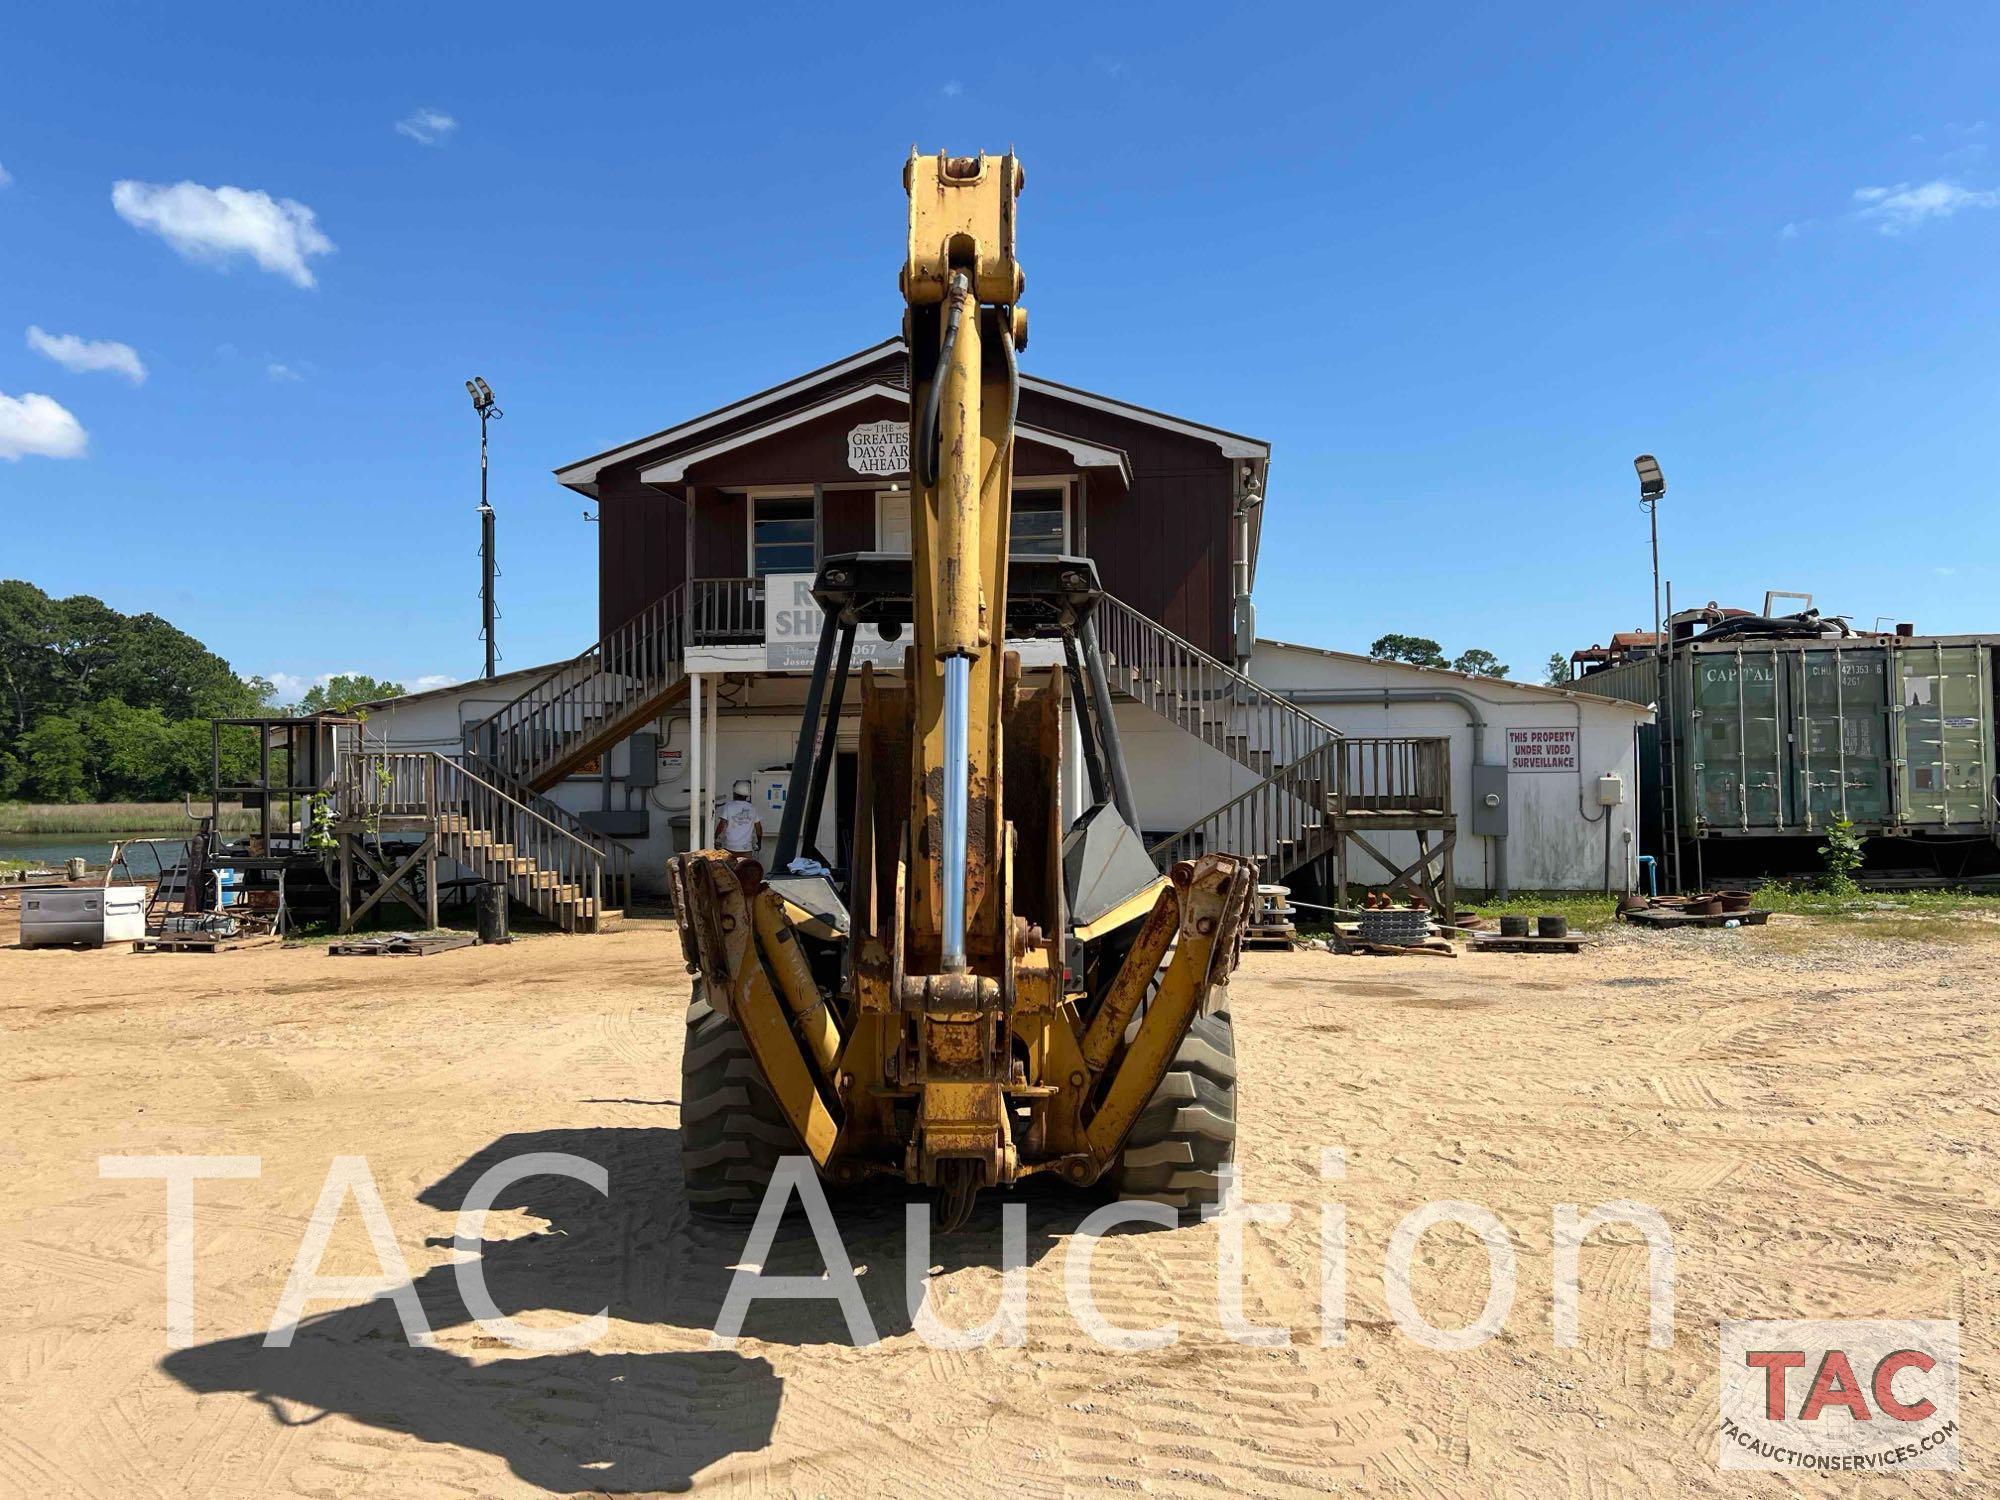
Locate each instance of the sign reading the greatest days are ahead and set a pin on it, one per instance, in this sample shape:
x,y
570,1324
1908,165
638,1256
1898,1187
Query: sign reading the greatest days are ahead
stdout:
x,y
792,623
1541,749
879,448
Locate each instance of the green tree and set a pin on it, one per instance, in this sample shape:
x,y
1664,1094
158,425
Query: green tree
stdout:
x,y
1479,662
1561,673
1417,650
158,666
55,757
27,640
343,690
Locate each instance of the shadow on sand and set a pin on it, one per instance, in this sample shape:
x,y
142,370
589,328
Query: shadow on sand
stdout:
x,y
616,1423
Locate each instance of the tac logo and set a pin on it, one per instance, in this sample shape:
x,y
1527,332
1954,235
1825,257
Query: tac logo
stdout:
x,y
1840,1395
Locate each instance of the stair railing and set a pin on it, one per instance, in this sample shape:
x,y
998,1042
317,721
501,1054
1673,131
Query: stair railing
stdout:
x,y
1280,822
617,855
1227,710
633,662
411,783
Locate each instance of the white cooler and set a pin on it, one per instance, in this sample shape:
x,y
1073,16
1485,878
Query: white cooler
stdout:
x,y
65,916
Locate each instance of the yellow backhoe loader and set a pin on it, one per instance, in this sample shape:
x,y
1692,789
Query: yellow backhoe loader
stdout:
x,y
984,993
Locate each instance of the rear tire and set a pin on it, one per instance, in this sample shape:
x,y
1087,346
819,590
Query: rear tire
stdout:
x,y
1186,1133
732,1131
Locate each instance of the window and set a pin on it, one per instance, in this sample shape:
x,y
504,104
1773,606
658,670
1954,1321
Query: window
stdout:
x,y
1038,524
781,534
1038,528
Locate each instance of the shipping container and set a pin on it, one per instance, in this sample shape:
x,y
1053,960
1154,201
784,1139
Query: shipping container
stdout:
x,y
1780,737
1944,736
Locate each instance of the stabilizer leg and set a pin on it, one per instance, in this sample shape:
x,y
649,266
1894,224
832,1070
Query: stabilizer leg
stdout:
x,y
1214,898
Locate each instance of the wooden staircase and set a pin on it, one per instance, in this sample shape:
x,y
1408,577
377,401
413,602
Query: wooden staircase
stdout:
x,y
591,702
558,874
1316,787
1281,821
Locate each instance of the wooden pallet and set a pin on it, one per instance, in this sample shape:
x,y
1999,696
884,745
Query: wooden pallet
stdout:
x,y
1430,948
400,947
200,942
1664,917
1494,943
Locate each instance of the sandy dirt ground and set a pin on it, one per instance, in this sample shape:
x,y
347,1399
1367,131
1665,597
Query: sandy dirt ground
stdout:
x,y
1816,1122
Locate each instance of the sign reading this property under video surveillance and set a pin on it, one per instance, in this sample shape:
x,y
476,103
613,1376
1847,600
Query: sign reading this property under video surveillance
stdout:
x,y
1541,750
792,624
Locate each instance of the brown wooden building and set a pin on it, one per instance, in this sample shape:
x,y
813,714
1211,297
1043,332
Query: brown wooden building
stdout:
x,y
770,484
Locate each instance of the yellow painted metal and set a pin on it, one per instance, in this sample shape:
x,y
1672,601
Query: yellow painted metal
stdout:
x,y
961,259
1214,904
811,1016
962,217
1121,1001
755,1006
994,1075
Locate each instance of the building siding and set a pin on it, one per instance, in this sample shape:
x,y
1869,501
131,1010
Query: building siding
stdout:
x,y
1163,546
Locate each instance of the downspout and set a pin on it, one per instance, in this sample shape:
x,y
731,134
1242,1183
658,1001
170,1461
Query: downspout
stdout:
x,y
1249,496
1386,696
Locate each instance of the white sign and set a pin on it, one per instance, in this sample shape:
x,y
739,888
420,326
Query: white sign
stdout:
x,y
673,763
879,448
1541,750
792,624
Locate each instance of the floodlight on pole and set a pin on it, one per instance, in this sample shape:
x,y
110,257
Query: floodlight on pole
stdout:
x,y
1652,486
1652,483
482,402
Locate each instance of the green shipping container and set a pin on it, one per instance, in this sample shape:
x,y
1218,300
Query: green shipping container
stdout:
x,y
1840,745
1944,736
1736,762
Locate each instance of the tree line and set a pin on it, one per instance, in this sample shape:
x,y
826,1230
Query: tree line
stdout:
x,y
99,706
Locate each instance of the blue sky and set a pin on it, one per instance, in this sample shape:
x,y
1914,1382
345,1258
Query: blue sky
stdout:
x,y
1458,265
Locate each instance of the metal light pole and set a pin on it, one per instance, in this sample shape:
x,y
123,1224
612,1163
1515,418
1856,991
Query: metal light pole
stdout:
x,y
1652,487
482,402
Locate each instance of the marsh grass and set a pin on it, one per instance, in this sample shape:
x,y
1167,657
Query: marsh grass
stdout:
x,y
32,819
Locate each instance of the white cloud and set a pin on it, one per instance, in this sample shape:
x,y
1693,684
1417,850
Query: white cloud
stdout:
x,y
6,177
1907,206
431,680
952,89
428,127
282,373
38,425
80,355
220,224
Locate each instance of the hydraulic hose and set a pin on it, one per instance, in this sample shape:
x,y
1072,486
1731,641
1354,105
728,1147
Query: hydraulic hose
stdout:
x,y
928,431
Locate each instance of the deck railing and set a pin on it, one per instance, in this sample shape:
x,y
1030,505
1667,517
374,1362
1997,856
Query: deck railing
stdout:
x,y
562,867
1382,773
726,611
1280,822
1297,813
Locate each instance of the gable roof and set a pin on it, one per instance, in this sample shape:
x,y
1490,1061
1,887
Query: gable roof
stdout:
x,y
582,475
673,469
1531,689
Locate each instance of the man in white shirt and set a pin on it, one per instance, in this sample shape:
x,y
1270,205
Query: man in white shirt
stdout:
x,y
737,826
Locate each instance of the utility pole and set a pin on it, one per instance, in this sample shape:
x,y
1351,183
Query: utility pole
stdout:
x,y
482,402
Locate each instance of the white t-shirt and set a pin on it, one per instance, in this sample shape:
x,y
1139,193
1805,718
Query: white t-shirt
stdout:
x,y
739,825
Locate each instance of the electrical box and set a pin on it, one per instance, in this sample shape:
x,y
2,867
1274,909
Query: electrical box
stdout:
x,y
1610,789
642,768
767,791
1489,802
